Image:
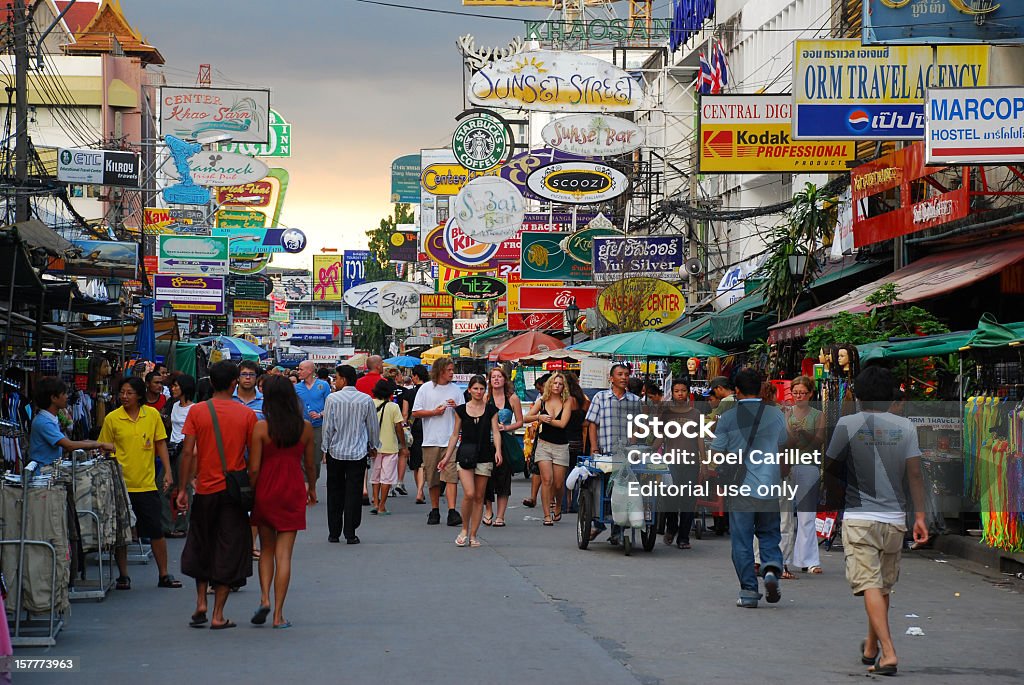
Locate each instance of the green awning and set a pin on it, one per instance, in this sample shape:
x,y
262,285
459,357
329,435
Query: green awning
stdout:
x,y
989,334
846,271
728,325
692,330
482,334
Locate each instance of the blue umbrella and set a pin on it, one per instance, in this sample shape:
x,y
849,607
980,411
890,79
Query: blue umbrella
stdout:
x,y
403,361
237,348
145,335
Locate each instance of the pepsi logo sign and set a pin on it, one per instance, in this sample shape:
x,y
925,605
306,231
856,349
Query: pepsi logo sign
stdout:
x,y
858,120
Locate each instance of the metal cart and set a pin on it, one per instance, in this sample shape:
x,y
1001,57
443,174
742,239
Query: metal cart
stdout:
x,y
593,498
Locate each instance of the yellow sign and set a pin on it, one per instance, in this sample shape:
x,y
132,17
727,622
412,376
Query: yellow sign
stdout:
x,y
754,134
449,179
641,303
446,274
327,278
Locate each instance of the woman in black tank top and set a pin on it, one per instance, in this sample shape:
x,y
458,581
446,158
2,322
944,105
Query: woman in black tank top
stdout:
x,y
499,487
552,409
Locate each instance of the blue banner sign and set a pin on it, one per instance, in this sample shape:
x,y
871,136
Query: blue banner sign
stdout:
x,y
950,22
688,16
354,268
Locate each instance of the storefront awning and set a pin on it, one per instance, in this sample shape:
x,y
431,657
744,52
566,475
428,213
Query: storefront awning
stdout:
x,y
927,278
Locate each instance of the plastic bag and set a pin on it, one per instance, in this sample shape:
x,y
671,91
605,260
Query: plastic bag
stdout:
x,y
627,509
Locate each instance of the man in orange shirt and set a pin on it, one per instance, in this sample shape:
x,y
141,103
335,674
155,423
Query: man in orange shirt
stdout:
x,y
218,550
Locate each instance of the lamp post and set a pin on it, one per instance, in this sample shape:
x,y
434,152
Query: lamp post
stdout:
x,y
572,313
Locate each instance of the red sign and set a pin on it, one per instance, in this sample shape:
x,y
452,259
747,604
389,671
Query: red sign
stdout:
x,y
552,298
257,194
920,206
536,321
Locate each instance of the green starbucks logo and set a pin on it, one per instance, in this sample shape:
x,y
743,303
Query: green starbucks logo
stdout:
x,y
482,141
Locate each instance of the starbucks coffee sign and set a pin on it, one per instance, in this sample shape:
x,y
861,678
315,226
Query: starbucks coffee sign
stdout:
x,y
482,140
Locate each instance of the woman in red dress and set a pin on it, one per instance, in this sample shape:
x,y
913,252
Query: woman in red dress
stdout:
x,y
281,447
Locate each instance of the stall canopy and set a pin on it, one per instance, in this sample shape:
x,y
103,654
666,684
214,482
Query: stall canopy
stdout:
x,y
237,348
927,278
989,333
523,345
648,344
403,361
435,353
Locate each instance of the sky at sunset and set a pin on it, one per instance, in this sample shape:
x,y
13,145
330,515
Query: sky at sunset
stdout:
x,y
360,84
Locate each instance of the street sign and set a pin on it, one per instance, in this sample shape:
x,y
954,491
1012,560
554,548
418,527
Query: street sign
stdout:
x,y
198,255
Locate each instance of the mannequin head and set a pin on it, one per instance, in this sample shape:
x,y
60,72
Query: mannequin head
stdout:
x,y
692,366
845,360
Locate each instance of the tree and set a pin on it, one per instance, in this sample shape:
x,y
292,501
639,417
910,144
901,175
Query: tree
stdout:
x,y
371,333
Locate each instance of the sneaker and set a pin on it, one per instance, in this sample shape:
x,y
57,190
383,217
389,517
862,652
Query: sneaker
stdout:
x,y
374,511
454,518
746,603
400,489
434,517
771,588
392,493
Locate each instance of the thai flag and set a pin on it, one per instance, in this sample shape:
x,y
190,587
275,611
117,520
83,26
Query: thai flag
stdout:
x,y
706,78
720,67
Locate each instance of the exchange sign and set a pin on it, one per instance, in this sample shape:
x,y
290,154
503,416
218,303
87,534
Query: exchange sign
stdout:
x,y
578,183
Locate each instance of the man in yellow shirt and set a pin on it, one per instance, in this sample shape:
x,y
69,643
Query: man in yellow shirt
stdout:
x,y
138,435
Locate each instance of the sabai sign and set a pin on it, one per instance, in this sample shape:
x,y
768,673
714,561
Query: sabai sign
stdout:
x,y
476,288
399,304
593,135
549,81
578,183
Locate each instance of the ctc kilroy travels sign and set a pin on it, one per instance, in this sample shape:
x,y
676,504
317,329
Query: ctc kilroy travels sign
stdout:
x,y
98,167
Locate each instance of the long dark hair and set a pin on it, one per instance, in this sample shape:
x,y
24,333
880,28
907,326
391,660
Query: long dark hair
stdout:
x,y
281,407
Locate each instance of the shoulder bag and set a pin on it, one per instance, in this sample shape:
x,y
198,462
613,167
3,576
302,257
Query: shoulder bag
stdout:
x,y
237,482
735,474
469,455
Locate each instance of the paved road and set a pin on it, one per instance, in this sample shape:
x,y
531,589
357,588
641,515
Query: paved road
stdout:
x,y
407,606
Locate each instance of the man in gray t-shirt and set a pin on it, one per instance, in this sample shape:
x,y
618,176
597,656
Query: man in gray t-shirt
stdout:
x,y
877,456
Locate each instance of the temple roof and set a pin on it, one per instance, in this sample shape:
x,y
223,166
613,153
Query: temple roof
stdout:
x,y
107,20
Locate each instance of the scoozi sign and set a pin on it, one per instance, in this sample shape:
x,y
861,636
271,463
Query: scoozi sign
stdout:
x,y
482,140
578,183
551,81
595,135
476,288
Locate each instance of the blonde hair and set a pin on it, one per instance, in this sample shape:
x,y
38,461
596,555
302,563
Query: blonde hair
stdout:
x,y
804,381
547,387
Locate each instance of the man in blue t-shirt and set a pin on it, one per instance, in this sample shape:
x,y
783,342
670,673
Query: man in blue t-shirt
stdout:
x,y
313,393
47,442
751,427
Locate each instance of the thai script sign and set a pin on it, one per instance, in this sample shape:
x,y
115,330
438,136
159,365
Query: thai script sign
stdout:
x,y
845,91
543,259
754,134
98,167
280,144
555,82
354,271
188,111
326,278
489,209
598,135
652,256
556,298
405,179
190,294
975,126
579,183
579,245
197,255
931,22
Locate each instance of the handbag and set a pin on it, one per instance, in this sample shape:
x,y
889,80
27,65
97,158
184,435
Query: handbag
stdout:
x,y
735,474
237,483
467,458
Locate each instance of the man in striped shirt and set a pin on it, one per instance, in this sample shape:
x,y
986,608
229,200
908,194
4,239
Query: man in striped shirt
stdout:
x,y
350,434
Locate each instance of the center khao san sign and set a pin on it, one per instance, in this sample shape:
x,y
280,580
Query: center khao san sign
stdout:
x,y
550,81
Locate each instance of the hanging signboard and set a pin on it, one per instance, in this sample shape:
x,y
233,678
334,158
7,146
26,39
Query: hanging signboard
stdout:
x,y
264,212
354,271
253,194
549,81
398,304
103,258
198,255
598,135
403,246
577,183
933,22
254,326
203,326
642,303
436,306
482,140
519,168
247,265
247,241
845,91
280,144
467,326
188,111
974,125
297,288
579,245
443,175
405,179
178,221
754,134
897,175
536,321
222,169
514,288
556,298
364,296
653,256
307,331
489,209
476,288
326,278
189,294
256,309
98,167
543,259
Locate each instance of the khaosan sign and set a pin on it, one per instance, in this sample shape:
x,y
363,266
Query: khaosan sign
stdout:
x,y
932,22
975,125
843,90
398,304
223,169
482,140
754,134
578,183
597,135
645,302
189,294
654,256
489,209
549,81
188,111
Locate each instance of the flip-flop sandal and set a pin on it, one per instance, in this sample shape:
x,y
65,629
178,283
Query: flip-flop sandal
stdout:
x,y
169,581
224,626
487,521
816,570
282,626
867,661
474,543
198,620
556,517
421,501
889,669
548,522
124,583
461,541
529,503
788,575
499,523
260,617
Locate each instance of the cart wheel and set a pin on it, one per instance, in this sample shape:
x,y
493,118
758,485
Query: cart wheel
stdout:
x,y
698,528
627,541
649,537
584,519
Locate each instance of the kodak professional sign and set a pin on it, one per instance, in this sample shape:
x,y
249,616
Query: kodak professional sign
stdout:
x,y
754,134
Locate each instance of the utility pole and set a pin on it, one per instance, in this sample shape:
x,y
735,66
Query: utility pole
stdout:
x,y
20,19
